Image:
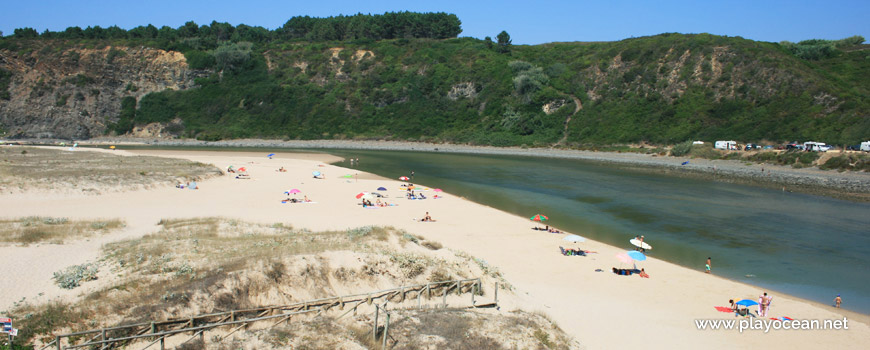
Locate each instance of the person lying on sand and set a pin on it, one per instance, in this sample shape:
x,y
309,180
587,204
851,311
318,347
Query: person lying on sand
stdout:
x,y
282,170
643,274
553,230
427,218
622,272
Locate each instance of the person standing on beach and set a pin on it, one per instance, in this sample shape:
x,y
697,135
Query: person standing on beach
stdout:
x,y
709,264
761,310
412,174
837,301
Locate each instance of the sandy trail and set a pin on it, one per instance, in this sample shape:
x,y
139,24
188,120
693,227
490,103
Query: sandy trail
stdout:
x,y
602,310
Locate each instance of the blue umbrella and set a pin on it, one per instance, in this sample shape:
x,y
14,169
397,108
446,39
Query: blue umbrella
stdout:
x,y
636,255
381,189
316,173
686,162
747,302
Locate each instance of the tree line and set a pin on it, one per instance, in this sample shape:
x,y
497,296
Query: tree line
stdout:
x,y
390,25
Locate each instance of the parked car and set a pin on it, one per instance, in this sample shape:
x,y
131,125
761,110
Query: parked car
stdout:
x,y
853,148
768,147
751,147
794,146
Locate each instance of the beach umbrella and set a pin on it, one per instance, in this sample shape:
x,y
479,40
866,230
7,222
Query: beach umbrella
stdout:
x,y
315,173
624,258
270,155
636,255
574,238
294,191
747,302
365,195
539,218
637,243
437,190
382,189
403,178
243,169
348,176
686,162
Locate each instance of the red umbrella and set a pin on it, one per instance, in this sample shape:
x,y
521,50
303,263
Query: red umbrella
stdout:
x,y
243,169
539,218
404,178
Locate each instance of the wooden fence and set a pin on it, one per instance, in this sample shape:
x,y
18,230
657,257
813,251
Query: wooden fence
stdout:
x,y
158,331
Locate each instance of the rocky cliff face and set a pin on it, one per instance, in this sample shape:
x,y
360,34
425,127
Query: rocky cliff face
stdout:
x,y
75,92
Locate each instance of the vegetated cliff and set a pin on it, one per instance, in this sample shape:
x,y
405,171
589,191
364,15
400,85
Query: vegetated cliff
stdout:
x,y
666,89
58,90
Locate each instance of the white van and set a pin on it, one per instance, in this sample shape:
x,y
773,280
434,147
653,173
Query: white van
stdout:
x,y
865,146
816,146
726,145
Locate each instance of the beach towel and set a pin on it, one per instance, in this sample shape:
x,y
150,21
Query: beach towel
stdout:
x,y
723,309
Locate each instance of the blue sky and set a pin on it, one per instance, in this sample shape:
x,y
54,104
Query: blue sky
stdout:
x,y
528,22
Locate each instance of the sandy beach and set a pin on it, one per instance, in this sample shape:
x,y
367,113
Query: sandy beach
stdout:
x,y
600,309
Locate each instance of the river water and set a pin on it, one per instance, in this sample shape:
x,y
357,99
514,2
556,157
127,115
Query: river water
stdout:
x,y
808,246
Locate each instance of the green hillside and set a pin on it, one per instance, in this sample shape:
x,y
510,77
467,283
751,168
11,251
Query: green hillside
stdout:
x,y
413,84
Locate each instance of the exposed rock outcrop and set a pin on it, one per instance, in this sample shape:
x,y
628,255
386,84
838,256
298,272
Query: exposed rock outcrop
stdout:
x,y
462,90
74,93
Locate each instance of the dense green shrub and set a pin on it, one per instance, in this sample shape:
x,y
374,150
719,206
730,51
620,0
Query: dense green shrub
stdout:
x,y
199,60
681,149
857,162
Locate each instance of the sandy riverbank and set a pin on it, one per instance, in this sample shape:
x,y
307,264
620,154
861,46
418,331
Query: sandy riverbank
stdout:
x,y
600,309
844,185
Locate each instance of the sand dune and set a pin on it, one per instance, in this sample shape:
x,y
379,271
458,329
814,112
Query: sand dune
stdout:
x,y
600,309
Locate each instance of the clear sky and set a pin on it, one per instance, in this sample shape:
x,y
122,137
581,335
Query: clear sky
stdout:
x,y
528,22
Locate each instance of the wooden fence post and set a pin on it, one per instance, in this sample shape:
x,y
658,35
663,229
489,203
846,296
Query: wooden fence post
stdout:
x,y
496,293
57,342
386,329
375,327
444,297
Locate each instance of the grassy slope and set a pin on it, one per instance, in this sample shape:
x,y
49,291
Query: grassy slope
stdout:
x,y
665,89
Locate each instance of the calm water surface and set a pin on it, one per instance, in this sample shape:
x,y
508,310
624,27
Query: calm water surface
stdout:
x,y
809,246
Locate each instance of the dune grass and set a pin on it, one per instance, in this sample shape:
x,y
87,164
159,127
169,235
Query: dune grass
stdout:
x,y
94,172
199,265
37,229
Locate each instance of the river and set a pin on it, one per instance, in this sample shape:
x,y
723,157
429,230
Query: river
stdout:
x,y
808,246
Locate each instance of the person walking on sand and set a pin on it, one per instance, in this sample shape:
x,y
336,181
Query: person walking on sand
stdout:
x,y
767,301
709,264
837,301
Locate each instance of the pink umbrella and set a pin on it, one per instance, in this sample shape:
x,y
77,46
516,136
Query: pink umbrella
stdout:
x,y
294,191
437,190
623,257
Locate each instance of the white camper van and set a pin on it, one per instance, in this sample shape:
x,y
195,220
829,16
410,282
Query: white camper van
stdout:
x,y
865,146
816,146
726,145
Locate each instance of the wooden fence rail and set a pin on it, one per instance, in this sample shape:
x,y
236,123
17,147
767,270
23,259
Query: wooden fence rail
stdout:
x,y
104,338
